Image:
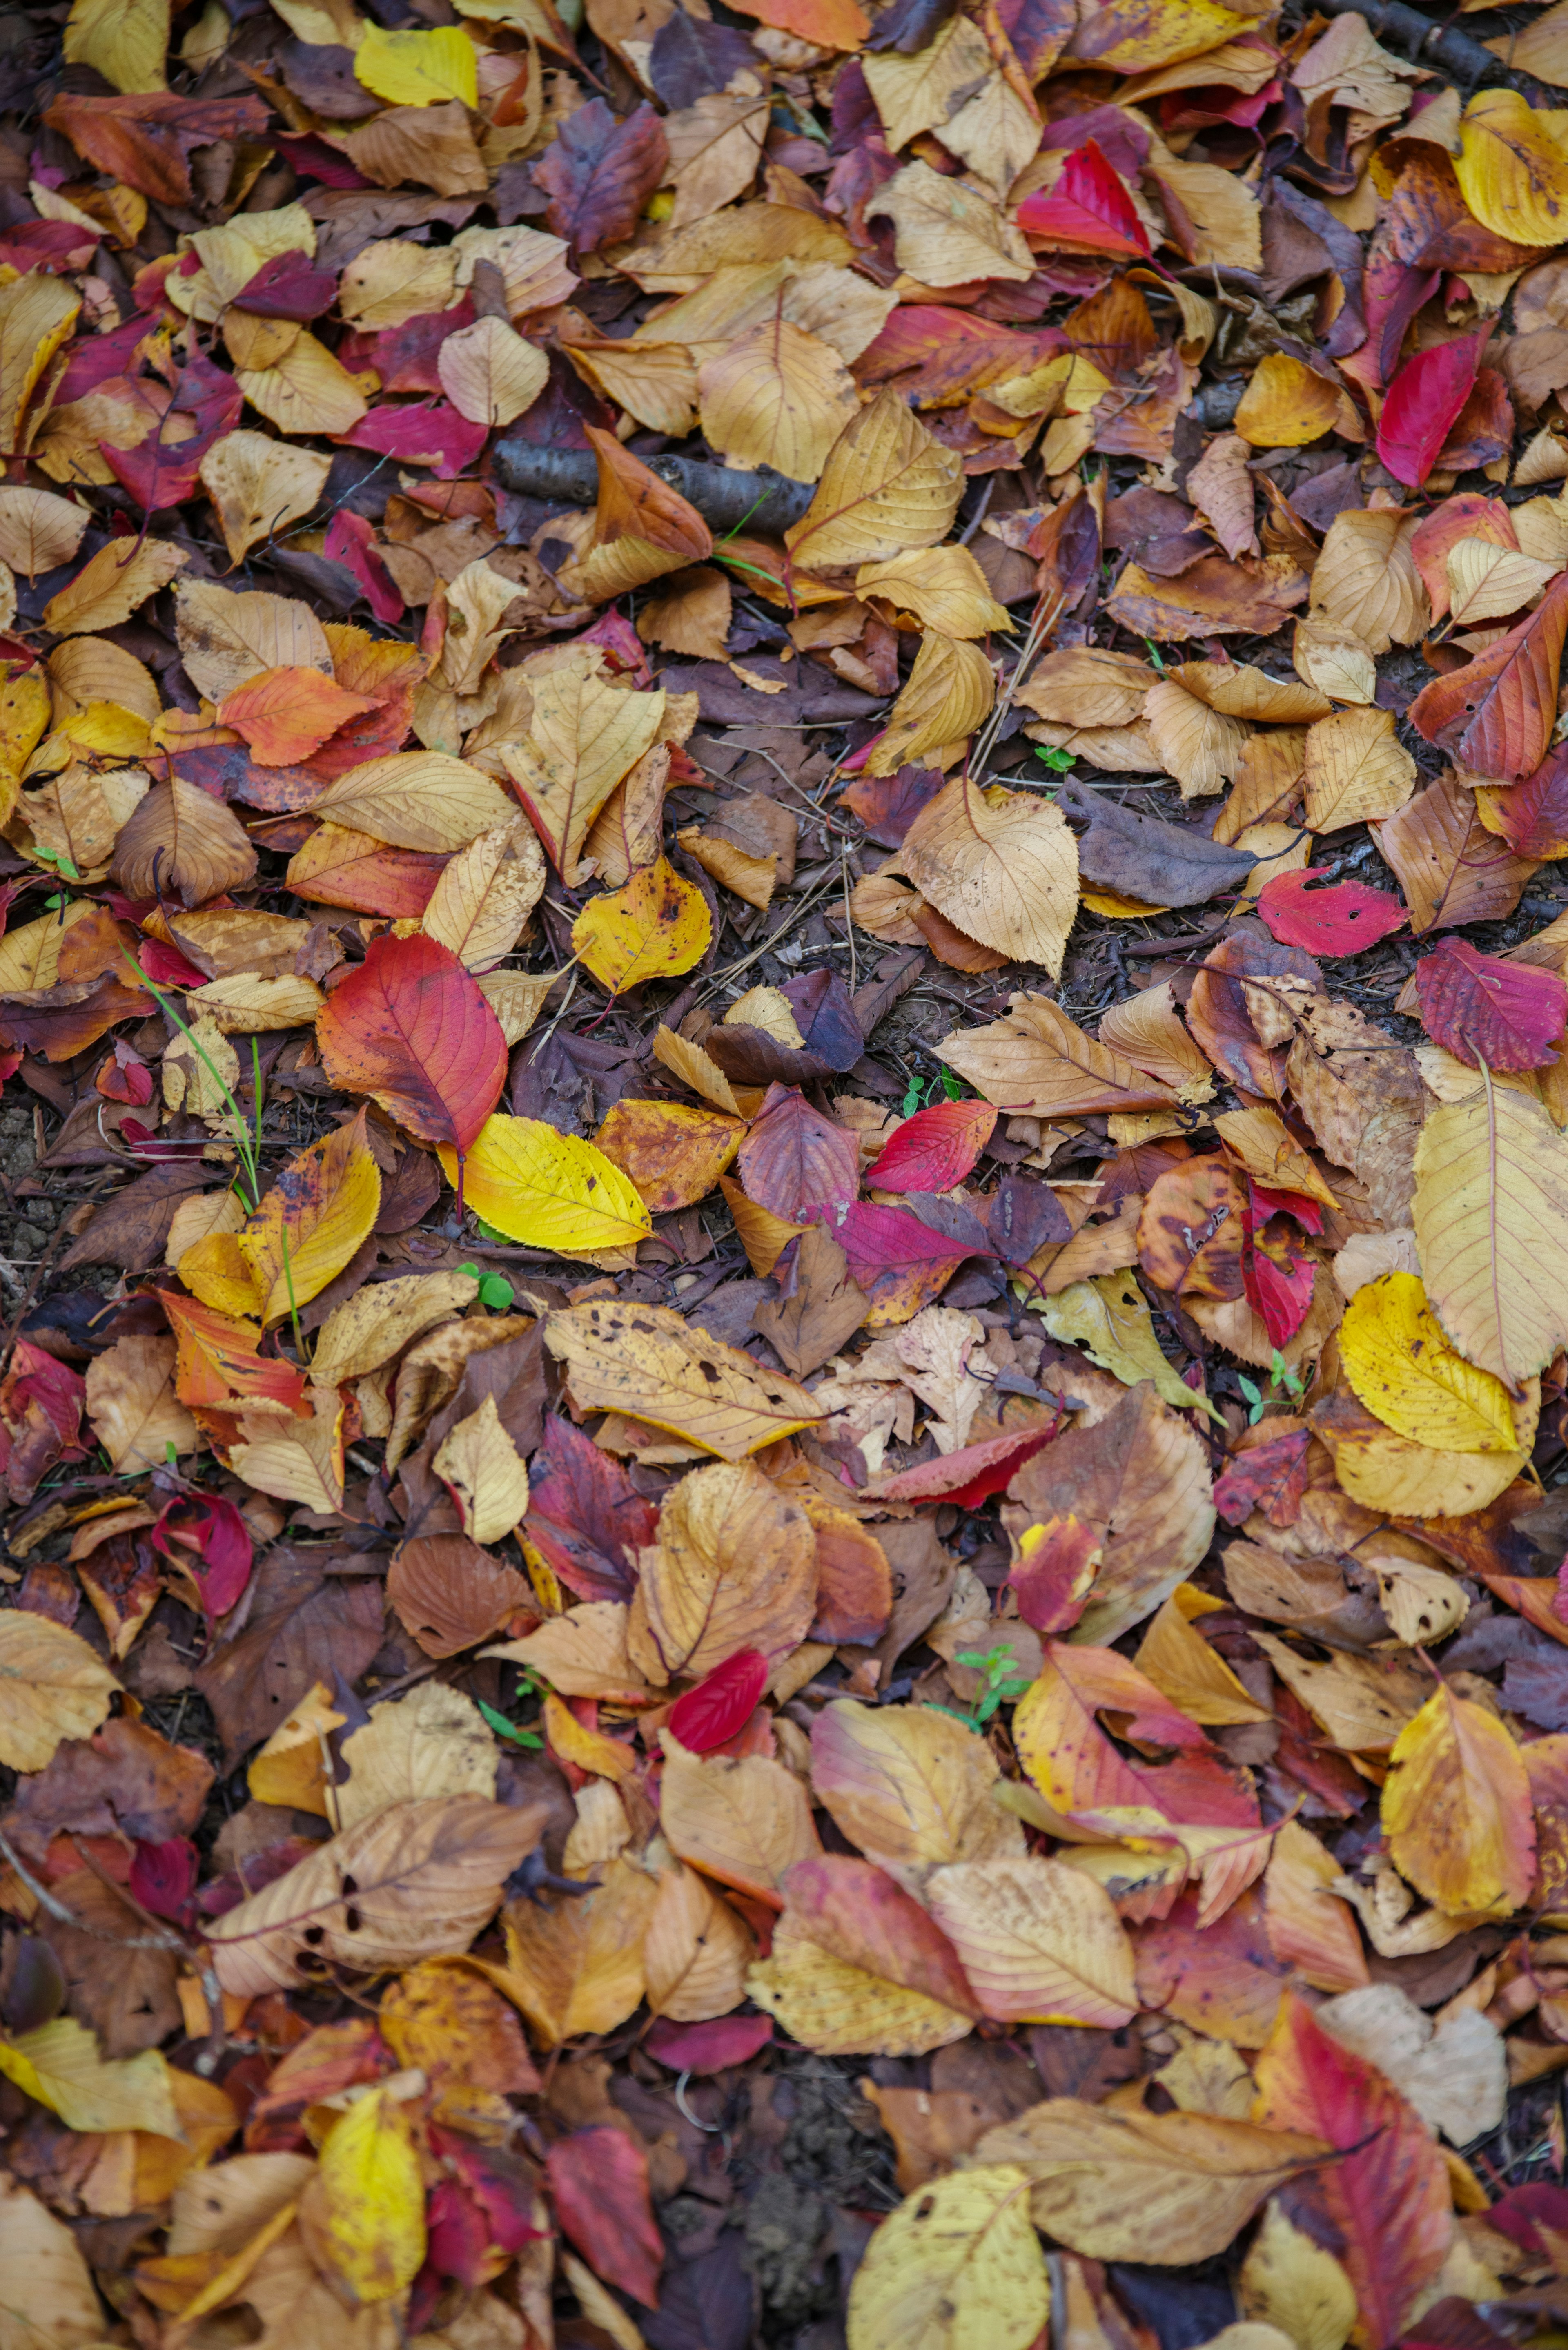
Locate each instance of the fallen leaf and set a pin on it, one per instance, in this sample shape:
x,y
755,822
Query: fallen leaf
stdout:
x,y
655,928
1404,1370
858,1967
52,1686
1000,865
598,2182
744,1820
910,1787
410,1027
733,1566
1489,1272
1493,714
548,1189
958,2259
887,486
482,1470
1040,1943
366,2204
1456,1808
312,1223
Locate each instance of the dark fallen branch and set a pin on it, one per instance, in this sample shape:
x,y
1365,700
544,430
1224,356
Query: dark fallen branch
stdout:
x,y
726,501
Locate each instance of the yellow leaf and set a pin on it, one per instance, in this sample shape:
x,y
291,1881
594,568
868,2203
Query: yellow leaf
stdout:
x,y
1109,1317
1512,167
40,531
36,316
386,1317
949,691
60,2066
1040,1943
371,2208
547,1188
583,737
888,485
1403,1368
291,1768
52,1686
1286,403
1458,1811
733,1566
1288,2281
1357,770
655,928
776,396
215,1270
649,1363
957,2266
1491,1214
672,1153
419,69
1392,1473
1195,1676
306,391
313,1221
484,1473
125,41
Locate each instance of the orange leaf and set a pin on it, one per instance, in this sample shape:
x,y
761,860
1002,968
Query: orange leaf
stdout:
x,y
219,1359
634,503
286,713
1496,714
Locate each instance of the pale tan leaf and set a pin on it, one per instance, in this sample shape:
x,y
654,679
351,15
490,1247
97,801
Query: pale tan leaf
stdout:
x,y
1357,770
947,233
306,391
1001,866
183,842
111,585
53,2304
226,638
1038,1063
480,907
259,486
295,1460
1365,582
744,1820
948,696
484,1473
776,397
648,1362
696,1950
1491,1224
733,1566
131,1404
52,1686
1040,1942
431,1743
888,485
416,799
40,531
577,1966
489,373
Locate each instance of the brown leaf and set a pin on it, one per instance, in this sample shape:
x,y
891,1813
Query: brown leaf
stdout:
x,y
303,1623
1451,867
183,842
821,1311
733,1566
450,1595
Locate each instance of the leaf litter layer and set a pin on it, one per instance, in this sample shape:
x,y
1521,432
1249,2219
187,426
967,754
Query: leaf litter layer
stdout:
x,y
782,1017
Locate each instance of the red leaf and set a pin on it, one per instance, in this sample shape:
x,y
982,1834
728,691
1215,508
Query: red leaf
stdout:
x,y
1384,2204
287,287
935,1149
208,1537
1343,920
970,1475
1278,1282
1496,714
351,542
1532,816
1271,1477
705,2048
163,1875
879,1240
720,1707
598,173
161,471
1089,207
168,968
412,1028
1424,402
599,2182
795,1162
1509,1015
585,1518
1053,1572
1307,1212
125,1078
426,432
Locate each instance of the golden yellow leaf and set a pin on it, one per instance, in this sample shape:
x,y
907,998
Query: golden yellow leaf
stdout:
x,y
889,486
258,487
291,1768
1512,167
38,314
52,1686
684,1060
392,281
419,69
1178,1660
745,1820
776,396
60,2066
368,2200
1179,2186
313,1221
547,1188
416,799
481,1468
125,41
1286,403
582,1653
577,1966
944,588
655,928
733,1566
673,1154
1397,1360
214,1270
957,2266
649,1363
1457,1809
425,1877
1040,1942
